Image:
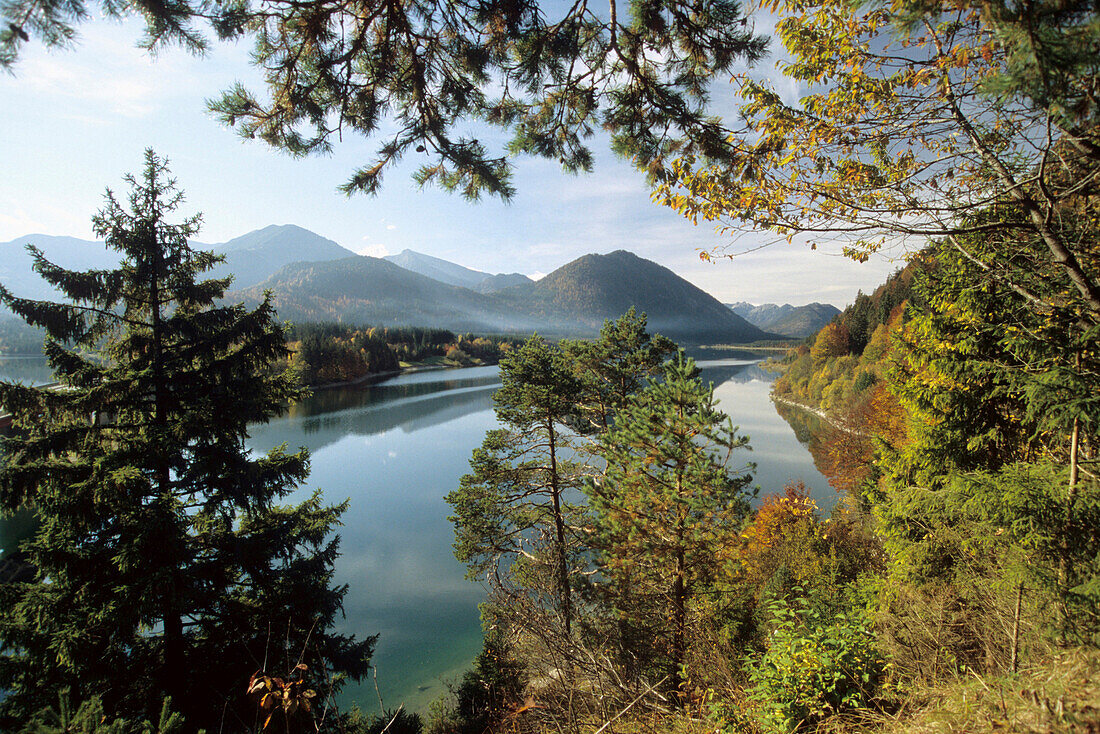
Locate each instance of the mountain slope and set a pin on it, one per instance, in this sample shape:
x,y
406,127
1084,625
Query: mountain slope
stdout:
x,y
500,281
372,291
597,287
793,321
438,269
258,255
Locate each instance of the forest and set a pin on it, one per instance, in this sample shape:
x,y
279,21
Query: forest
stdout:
x,y
330,353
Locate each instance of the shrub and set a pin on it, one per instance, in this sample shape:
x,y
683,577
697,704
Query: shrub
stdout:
x,y
814,666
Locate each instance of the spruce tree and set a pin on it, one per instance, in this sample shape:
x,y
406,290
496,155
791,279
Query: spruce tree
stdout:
x,y
163,564
666,502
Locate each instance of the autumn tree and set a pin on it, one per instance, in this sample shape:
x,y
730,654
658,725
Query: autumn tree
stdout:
x,y
416,75
164,564
945,120
666,501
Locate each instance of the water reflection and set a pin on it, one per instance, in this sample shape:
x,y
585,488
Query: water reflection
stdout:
x,y
28,370
396,448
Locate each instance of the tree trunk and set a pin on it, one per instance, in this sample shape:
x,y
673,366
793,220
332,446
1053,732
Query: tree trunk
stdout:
x,y
679,617
172,620
559,528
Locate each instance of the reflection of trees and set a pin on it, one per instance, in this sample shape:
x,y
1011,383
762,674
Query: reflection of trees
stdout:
x,y
347,412
809,429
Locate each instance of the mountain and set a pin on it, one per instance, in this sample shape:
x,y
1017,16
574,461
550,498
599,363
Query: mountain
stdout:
x,y
442,270
250,258
256,256
500,281
593,288
68,252
316,279
453,274
373,291
793,321
574,300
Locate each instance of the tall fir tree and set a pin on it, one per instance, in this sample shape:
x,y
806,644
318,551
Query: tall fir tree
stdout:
x,y
666,501
163,565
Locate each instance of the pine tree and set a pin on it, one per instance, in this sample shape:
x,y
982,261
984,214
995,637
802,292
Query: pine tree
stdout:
x,y
614,366
163,563
666,501
513,519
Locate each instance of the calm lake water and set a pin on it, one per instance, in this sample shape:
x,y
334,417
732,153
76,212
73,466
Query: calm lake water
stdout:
x,y
395,449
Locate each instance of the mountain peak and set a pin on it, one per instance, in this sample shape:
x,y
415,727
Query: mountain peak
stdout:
x,y
598,287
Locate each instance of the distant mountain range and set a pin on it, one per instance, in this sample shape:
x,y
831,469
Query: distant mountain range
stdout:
x,y
256,256
452,274
315,279
793,321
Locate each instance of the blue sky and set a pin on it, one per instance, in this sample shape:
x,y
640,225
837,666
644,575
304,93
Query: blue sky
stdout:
x,y
74,121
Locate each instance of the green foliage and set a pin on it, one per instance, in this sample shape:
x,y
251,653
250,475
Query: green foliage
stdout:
x,y
164,563
390,722
815,665
666,502
613,367
90,718
415,74
514,523
977,541
487,690
328,353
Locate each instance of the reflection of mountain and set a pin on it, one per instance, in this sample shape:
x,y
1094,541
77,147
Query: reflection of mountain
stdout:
x,y
719,373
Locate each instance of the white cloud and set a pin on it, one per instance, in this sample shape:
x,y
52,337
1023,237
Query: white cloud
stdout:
x,y
391,226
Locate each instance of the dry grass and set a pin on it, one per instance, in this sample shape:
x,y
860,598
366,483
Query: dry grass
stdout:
x,y
1060,695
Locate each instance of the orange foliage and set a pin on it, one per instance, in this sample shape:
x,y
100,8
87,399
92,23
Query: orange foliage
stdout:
x,y
784,523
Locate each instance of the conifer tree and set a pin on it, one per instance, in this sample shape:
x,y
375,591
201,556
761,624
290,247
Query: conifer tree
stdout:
x,y
614,367
413,76
163,564
666,501
513,519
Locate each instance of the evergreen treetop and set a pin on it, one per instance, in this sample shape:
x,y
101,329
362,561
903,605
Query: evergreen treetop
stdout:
x,y
164,564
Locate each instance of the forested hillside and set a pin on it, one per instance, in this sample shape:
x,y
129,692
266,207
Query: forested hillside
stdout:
x,y
327,353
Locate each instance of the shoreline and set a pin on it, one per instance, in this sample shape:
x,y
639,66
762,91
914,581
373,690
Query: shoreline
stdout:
x,y
375,377
820,414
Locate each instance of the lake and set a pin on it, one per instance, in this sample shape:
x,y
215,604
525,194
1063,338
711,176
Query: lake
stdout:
x,y
395,449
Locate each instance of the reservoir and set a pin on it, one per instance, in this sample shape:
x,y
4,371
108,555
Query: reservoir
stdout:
x,y
395,449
